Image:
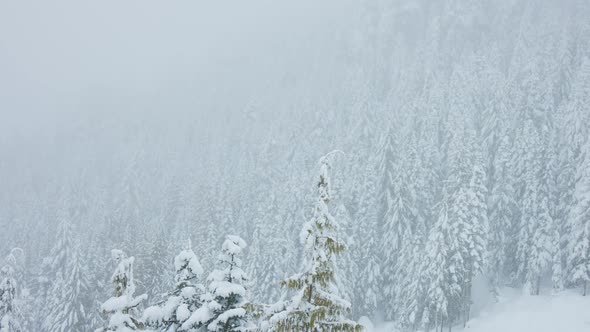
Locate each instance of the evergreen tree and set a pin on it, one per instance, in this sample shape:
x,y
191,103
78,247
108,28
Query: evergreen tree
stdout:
x,y
184,300
123,306
97,277
155,274
501,214
546,247
576,112
266,254
10,316
67,311
398,218
411,290
475,231
579,254
443,270
224,307
66,303
529,196
348,270
316,305
368,228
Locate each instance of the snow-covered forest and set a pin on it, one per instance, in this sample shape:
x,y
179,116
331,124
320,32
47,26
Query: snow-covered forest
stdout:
x,y
267,166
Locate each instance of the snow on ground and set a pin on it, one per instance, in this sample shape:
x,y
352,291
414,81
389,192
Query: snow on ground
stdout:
x,y
567,311
563,312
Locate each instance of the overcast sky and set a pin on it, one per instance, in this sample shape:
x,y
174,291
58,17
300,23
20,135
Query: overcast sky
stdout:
x,y
71,57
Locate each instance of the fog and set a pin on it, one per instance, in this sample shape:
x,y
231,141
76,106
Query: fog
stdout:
x,y
461,131
78,58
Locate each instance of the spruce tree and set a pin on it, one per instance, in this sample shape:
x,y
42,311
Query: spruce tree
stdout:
x,y
10,316
443,270
579,254
184,300
398,218
123,306
476,232
224,307
66,302
411,290
317,305
501,213
156,276
67,311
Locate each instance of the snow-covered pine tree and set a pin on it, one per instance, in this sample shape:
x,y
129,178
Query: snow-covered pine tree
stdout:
x,y
535,251
545,254
443,269
501,213
184,300
67,311
368,229
348,270
528,193
560,196
476,231
66,303
10,316
576,112
156,278
398,217
410,291
41,286
317,305
123,306
266,254
224,309
541,249
578,261
97,277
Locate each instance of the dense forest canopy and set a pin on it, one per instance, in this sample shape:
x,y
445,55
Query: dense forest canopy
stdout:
x,y
135,126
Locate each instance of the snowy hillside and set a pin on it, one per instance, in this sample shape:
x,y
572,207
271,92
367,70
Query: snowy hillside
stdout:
x,y
517,312
562,312
281,166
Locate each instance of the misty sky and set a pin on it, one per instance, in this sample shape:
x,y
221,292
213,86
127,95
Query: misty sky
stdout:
x,y
74,57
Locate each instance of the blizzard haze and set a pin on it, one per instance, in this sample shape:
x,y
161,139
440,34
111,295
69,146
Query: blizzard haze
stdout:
x,y
411,165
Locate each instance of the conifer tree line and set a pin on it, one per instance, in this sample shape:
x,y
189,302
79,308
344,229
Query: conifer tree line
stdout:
x,y
222,306
467,160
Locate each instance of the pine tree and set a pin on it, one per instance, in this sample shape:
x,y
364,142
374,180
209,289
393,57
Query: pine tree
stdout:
x,y
398,217
41,287
476,232
68,311
184,300
156,277
577,115
529,195
501,213
97,277
368,227
579,254
224,307
411,290
123,306
66,308
443,270
316,305
10,316
266,255
348,270
541,249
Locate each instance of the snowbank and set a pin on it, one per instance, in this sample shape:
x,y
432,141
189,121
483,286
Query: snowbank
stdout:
x,y
567,311
564,312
